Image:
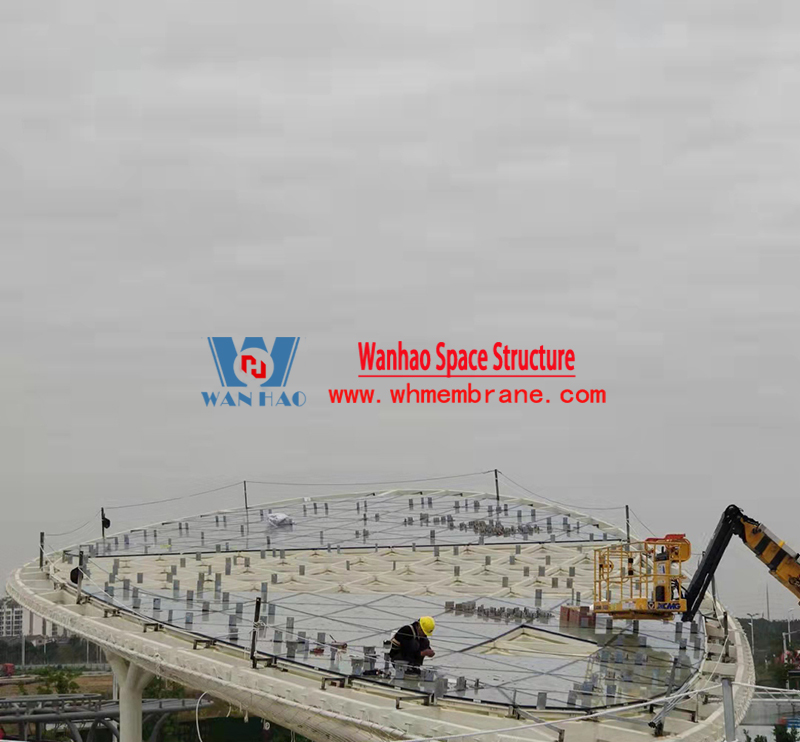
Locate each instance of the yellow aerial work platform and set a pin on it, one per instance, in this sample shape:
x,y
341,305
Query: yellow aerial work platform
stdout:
x,y
641,580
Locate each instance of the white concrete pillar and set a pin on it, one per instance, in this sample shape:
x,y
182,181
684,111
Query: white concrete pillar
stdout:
x,y
131,680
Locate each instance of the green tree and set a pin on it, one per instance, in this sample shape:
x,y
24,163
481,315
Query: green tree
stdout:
x,y
160,688
784,734
779,674
58,680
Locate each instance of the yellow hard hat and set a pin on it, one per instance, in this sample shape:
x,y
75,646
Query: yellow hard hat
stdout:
x,y
427,624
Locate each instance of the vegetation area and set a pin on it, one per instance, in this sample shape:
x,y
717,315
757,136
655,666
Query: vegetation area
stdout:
x,y
782,734
57,680
769,648
218,723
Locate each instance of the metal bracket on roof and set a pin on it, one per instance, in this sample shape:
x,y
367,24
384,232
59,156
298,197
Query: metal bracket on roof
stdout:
x,y
658,721
204,643
154,625
340,681
523,714
110,612
427,699
267,662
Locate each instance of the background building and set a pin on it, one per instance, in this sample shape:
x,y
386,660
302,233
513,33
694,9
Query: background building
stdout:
x,y
11,618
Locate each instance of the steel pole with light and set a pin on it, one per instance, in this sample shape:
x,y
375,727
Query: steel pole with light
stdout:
x,y
787,636
752,616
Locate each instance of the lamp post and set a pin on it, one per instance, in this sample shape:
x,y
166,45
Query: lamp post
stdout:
x,y
787,636
752,616
787,640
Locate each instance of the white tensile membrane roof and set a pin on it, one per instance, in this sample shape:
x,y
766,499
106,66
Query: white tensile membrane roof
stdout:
x,y
351,569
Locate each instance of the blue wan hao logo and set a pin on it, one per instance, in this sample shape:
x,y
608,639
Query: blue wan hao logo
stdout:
x,y
253,368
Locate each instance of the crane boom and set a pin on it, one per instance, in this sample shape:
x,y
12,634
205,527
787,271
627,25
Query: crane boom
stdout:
x,y
783,562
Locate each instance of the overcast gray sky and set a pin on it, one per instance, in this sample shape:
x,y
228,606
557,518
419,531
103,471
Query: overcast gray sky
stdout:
x,y
620,179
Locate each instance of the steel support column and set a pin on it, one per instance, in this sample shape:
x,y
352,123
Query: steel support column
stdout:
x,y
131,680
728,710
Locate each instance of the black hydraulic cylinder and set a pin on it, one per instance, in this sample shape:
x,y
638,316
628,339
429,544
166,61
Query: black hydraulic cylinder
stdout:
x,y
729,525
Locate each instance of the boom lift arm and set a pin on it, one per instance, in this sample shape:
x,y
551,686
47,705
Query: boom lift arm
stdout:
x,y
783,563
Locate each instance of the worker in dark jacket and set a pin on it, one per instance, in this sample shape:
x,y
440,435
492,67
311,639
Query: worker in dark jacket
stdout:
x,y
411,644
